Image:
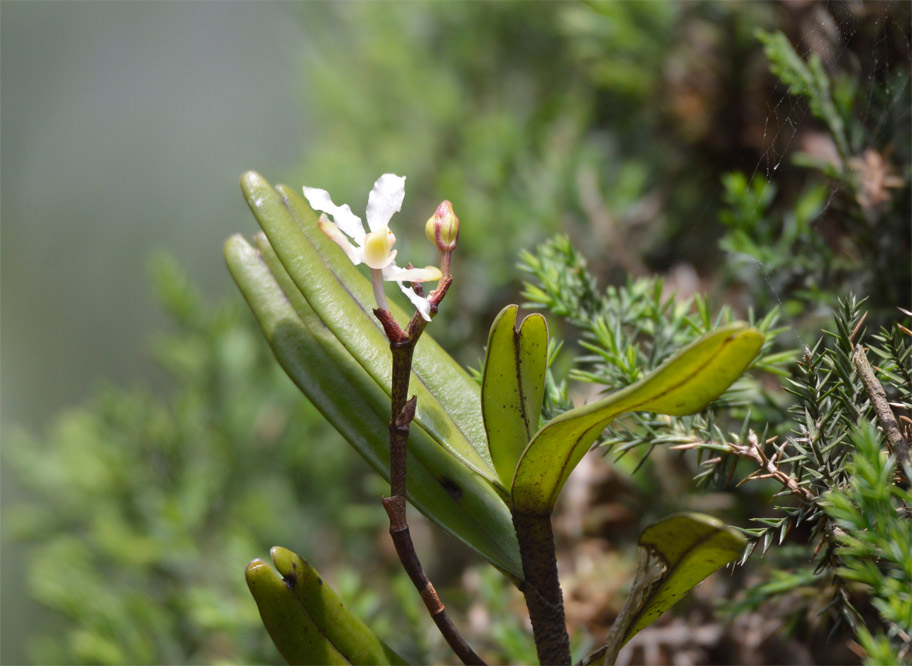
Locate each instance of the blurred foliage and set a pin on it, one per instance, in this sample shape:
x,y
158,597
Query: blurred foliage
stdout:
x,y
788,253
810,81
615,122
631,127
604,120
847,227
141,508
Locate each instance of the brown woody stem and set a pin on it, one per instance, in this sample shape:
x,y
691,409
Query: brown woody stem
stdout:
x,y
402,345
881,406
541,587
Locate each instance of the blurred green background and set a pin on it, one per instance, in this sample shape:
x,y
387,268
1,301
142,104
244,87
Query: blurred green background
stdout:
x,y
182,451
125,127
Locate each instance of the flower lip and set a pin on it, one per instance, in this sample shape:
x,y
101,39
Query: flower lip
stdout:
x,y
377,251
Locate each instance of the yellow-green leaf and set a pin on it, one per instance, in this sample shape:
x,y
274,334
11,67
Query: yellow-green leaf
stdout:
x,y
306,620
684,384
675,554
512,386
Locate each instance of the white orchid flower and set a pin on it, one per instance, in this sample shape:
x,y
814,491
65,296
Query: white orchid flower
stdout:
x,y
375,247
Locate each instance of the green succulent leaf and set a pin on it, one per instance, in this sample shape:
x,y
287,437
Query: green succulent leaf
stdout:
x,y
343,300
439,485
675,555
684,384
306,620
512,386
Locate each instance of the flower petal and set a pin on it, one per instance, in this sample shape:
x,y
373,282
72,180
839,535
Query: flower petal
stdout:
x,y
342,215
332,230
385,200
422,304
426,274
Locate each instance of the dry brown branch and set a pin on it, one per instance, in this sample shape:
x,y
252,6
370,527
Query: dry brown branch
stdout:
x,y
878,396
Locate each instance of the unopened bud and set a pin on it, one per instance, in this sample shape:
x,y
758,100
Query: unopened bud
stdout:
x,y
443,228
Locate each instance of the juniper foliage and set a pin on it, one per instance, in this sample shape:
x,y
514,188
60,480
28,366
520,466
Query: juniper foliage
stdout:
x,y
848,500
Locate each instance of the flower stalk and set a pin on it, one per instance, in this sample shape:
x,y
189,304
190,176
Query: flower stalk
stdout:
x,y
375,249
377,284
402,346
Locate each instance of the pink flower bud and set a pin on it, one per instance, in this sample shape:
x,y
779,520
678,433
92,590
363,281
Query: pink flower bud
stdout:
x,y
442,229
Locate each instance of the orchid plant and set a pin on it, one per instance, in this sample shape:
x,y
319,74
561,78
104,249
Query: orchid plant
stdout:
x,y
480,463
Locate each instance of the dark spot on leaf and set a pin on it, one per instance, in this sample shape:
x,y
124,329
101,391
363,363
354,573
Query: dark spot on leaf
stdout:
x,y
294,565
319,581
291,579
453,488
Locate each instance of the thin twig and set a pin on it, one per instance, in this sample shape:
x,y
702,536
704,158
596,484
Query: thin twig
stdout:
x,y
399,532
402,345
878,396
768,468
